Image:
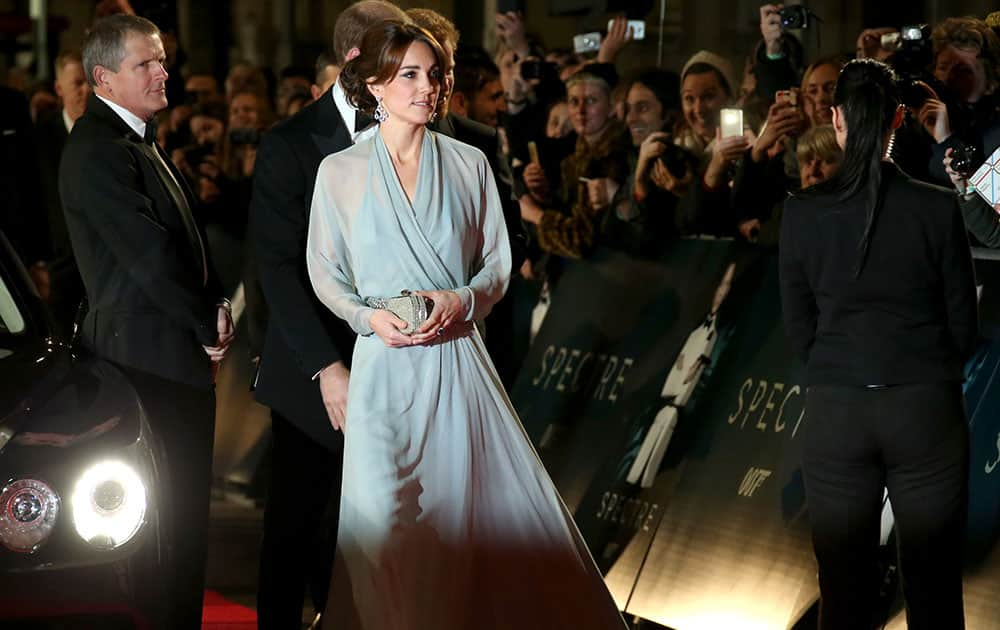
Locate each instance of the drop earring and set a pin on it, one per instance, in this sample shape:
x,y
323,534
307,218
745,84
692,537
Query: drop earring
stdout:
x,y
380,114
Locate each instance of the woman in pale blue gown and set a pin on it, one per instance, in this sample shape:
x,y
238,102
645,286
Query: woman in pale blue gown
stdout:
x,y
448,520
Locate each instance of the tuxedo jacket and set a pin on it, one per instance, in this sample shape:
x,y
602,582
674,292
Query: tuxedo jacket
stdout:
x,y
51,136
302,335
153,298
22,215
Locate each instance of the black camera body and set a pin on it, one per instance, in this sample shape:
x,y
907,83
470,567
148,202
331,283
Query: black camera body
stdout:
x,y
795,16
245,136
534,69
910,61
676,159
196,154
965,160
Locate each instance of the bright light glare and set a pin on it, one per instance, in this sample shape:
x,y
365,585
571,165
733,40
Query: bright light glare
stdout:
x,y
113,524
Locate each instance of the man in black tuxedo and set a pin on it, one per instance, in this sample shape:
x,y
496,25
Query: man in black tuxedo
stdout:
x,y
303,371
22,218
500,322
155,308
52,131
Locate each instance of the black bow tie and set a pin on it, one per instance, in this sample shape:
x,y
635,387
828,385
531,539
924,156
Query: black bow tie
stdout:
x,y
362,121
150,135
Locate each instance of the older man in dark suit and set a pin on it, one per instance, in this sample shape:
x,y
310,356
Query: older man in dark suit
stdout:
x,y
304,367
51,132
155,308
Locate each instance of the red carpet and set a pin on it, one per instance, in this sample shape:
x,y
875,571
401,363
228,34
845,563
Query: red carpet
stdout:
x,y
221,614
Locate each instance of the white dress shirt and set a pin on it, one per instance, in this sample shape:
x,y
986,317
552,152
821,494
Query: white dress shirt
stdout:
x,y
67,121
137,124
348,113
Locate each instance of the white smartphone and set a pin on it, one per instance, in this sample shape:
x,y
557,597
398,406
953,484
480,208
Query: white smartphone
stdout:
x,y
638,28
731,122
587,42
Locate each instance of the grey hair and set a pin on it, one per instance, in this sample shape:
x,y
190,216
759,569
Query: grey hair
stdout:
x,y
104,45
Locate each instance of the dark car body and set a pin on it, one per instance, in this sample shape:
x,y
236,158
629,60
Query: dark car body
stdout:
x,y
61,412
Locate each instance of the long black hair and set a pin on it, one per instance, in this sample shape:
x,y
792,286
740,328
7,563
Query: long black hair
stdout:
x,y
868,94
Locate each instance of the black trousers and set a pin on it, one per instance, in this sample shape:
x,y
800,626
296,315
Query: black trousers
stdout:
x,y
300,526
183,419
913,440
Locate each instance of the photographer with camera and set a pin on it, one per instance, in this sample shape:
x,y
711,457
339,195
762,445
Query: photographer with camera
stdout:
x,y
967,65
644,218
981,220
221,166
778,57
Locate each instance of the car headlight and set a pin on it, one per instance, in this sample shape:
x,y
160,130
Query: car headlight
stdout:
x,y
29,511
109,503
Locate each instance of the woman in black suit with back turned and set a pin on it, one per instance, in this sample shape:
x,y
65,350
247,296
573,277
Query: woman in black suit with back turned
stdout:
x,y
879,299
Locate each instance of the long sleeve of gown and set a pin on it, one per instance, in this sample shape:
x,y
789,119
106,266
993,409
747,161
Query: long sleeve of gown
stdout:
x,y
328,256
491,272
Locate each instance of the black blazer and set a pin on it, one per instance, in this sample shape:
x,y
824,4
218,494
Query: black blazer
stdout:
x,y
910,317
51,136
22,215
485,138
141,256
303,336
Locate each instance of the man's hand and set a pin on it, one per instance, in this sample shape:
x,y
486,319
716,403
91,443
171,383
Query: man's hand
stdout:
x,y
224,326
333,381
770,27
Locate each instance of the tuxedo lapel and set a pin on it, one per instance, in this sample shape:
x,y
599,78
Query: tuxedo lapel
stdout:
x,y
170,179
176,187
331,134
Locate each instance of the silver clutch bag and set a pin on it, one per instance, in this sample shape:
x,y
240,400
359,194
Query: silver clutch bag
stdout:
x,y
412,309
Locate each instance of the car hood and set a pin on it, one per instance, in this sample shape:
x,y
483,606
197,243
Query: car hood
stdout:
x,y
52,402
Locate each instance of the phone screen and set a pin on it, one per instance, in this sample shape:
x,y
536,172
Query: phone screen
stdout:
x,y
731,122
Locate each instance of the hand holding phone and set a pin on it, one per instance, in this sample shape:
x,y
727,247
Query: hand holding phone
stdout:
x,y
787,97
635,28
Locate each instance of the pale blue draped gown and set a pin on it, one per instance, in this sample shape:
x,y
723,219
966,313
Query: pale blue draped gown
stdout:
x,y
448,521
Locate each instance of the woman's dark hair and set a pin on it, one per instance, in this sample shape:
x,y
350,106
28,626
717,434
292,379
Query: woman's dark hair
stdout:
x,y
868,93
665,86
382,51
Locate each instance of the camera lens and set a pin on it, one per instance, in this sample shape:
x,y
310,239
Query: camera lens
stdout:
x,y
964,160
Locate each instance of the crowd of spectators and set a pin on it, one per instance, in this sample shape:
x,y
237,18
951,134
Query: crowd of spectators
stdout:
x,y
598,156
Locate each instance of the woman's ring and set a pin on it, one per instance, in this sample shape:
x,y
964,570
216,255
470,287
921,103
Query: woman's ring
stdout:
x,y
440,332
